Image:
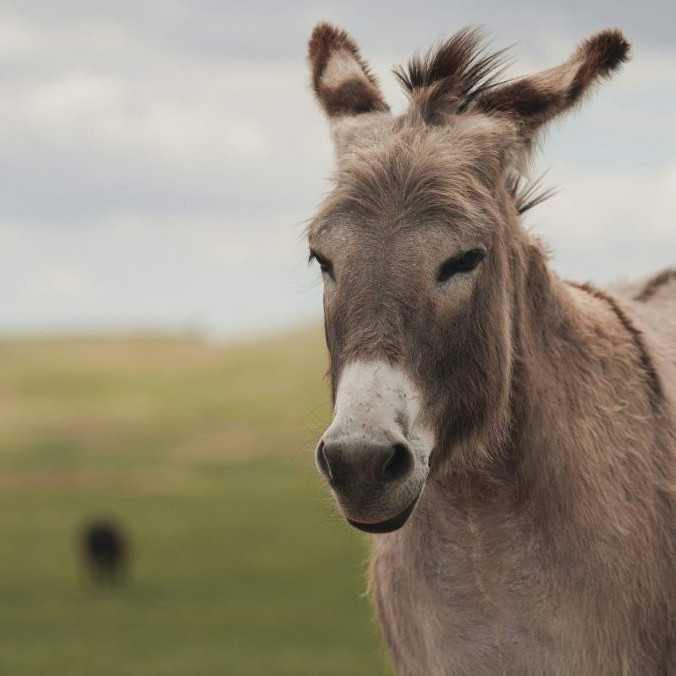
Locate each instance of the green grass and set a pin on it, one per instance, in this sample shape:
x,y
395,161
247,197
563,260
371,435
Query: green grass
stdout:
x,y
239,564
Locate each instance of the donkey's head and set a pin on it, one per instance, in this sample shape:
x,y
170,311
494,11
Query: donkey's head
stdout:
x,y
420,249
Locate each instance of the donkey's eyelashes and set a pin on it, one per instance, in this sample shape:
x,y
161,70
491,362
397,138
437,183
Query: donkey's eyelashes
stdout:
x,y
464,262
325,264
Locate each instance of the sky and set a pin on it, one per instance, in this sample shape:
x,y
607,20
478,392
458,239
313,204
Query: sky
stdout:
x,y
160,159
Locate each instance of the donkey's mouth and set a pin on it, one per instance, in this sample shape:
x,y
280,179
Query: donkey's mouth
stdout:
x,y
388,526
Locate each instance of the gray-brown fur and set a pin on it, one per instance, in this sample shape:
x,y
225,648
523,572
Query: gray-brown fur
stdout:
x,y
545,539
448,78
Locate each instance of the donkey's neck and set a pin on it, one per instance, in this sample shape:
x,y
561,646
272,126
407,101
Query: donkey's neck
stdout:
x,y
533,553
580,366
582,439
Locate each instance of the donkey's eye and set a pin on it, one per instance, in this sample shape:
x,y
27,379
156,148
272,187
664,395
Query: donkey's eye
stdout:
x,y
325,264
465,262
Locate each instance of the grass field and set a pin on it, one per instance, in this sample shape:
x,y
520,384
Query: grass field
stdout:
x,y
240,565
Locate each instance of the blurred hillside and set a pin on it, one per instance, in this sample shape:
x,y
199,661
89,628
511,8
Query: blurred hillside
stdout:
x,y
204,453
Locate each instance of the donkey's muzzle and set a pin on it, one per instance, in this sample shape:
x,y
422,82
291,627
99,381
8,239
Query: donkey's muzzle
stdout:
x,y
374,483
375,453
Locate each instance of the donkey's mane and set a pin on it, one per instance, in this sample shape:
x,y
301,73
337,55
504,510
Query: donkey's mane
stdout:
x,y
450,77
456,71
528,194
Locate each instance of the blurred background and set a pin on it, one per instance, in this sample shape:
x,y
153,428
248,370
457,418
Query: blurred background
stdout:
x,y
160,338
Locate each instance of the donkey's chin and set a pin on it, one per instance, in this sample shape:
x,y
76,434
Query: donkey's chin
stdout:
x,y
389,525
384,515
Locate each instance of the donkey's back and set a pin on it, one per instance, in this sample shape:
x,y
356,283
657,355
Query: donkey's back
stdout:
x,y
653,300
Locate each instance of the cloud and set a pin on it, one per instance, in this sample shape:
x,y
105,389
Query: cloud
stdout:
x,y
159,159
603,228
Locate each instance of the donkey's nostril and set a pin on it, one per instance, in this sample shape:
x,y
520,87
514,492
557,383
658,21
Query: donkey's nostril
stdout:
x,y
335,463
322,461
399,463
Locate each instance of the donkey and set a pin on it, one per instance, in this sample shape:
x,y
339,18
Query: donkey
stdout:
x,y
105,552
509,438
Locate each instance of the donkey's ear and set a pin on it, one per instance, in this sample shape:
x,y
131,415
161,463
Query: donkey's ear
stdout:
x,y
342,80
534,100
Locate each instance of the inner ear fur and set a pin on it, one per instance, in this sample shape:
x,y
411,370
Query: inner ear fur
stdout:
x,y
341,79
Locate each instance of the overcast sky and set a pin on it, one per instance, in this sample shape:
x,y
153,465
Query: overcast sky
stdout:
x,y
159,159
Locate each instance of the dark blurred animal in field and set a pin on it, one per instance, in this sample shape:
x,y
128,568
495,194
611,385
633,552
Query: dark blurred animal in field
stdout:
x,y
105,551
509,437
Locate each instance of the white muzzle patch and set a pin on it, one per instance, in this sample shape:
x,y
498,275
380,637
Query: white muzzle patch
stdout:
x,y
375,397
378,407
